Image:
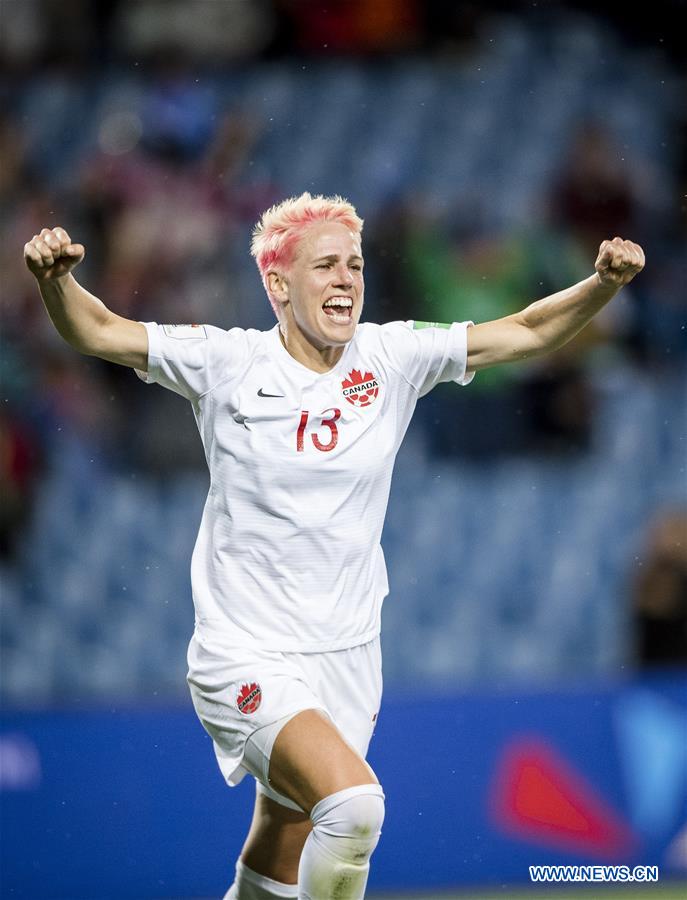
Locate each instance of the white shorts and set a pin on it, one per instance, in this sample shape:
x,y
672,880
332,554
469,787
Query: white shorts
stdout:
x,y
244,697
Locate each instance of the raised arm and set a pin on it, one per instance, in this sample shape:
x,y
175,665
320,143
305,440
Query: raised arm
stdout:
x,y
80,318
549,323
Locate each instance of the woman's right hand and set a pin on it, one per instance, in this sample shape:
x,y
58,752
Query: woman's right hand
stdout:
x,y
51,254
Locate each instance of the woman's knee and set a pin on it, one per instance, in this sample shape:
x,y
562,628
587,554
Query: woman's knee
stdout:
x,y
349,822
336,857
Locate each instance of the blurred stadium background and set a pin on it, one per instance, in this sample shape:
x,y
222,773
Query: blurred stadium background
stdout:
x,y
535,637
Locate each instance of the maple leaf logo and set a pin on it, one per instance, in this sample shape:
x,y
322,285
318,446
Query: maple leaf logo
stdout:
x,y
360,389
248,698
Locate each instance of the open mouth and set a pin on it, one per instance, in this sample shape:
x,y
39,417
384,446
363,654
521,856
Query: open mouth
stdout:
x,y
339,310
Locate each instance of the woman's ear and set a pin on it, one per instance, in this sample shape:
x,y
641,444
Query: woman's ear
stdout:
x,y
278,286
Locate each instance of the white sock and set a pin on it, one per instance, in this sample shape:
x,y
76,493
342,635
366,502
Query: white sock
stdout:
x,y
336,857
248,885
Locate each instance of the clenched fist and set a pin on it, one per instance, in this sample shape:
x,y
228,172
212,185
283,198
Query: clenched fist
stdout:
x,y
51,254
618,262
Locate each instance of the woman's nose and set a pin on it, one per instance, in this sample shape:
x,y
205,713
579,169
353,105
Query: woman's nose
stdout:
x,y
343,277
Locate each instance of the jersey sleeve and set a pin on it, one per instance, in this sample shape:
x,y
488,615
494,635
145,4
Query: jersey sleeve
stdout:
x,y
427,353
193,359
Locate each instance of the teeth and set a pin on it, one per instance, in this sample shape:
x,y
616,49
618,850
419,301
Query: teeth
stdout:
x,y
339,301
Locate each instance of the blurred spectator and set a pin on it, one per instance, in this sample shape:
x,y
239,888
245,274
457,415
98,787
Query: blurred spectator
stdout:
x,y
660,594
206,32
65,33
22,33
11,153
594,197
600,193
443,265
173,203
597,194
162,219
19,470
351,26
391,291
560,404
452,25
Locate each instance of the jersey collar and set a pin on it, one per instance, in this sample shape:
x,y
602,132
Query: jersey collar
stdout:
x,y
284,356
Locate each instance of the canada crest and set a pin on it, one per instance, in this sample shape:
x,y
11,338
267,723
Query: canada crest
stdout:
x,y
360,388
248,698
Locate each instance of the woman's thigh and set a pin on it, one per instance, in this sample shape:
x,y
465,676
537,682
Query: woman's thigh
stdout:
x,y
311,760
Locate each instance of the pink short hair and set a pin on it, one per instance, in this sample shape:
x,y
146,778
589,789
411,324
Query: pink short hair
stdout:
x,y
278,232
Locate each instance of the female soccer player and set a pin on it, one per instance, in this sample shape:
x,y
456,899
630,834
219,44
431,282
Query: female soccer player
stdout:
x,y
301,425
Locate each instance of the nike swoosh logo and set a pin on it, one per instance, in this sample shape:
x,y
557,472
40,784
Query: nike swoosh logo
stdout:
x,y
262,394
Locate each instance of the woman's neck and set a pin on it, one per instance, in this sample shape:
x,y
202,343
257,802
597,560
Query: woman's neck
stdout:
x,y
299,347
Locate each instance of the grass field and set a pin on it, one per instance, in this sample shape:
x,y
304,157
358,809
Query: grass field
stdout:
x,y
672,891
668,891
546,892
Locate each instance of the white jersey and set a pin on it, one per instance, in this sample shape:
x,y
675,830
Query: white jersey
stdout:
x,y
288,555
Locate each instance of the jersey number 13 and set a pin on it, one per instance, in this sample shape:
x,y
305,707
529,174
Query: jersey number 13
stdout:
x,y
329,422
